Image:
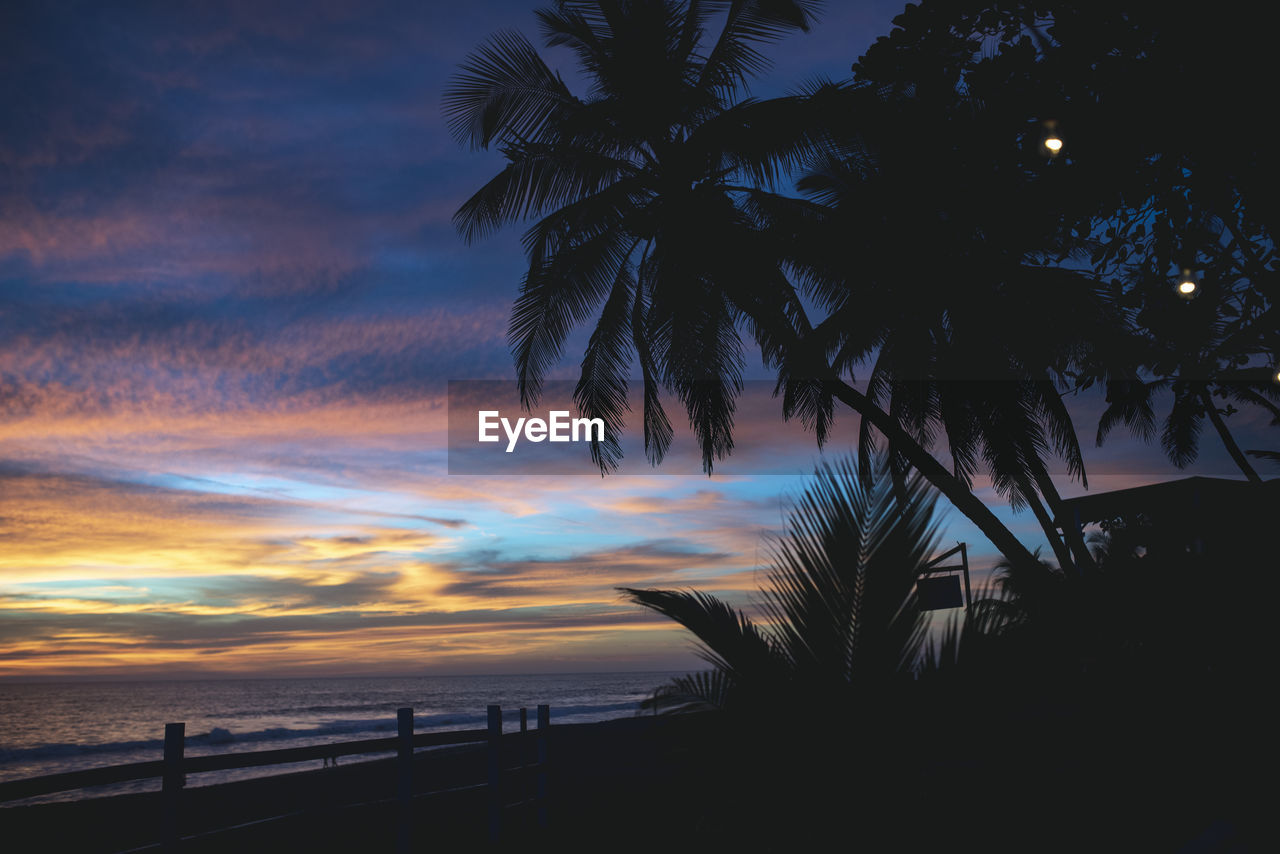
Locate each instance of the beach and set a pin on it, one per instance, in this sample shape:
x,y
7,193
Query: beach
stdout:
x,y
1048,776
56,727
594,770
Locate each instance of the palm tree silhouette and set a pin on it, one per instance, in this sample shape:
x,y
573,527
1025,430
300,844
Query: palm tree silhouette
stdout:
x,y
1270,456
648,195
635,189
839,599
936,261
1193,403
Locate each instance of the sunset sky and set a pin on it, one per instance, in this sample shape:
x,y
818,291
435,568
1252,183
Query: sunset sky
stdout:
x,y
231,298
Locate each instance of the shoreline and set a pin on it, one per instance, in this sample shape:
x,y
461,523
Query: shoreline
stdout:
x,y
1050,777
451,797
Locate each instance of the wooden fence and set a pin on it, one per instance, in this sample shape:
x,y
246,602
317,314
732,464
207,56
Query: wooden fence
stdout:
x,y
175,766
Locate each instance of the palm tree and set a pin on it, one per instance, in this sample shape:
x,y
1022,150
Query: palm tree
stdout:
x,y
635,189
646,195
934,261
1131,403
838,604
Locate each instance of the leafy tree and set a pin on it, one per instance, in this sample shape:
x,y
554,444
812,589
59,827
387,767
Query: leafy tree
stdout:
x,y
1170,170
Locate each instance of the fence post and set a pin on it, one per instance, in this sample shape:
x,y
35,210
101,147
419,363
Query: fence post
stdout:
x,y
544,723
524,719
495,773
404,779
172,783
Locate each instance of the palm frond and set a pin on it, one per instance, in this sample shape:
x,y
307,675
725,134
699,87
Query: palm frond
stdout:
x,y
1180,438
657,427
560,291
727,638
539,179
601,391
1129,403
1271,456
841,583
735,57
706,690
504,92
838,600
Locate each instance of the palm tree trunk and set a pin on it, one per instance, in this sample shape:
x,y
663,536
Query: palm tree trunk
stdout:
x,y
1084,560
947,483
1060,550
1227,439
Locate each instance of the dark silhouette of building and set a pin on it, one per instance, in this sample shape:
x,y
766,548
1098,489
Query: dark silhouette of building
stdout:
x,y
1201,516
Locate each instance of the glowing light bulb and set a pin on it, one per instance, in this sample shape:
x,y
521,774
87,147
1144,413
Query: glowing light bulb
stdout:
x,y
1053,144
1186,287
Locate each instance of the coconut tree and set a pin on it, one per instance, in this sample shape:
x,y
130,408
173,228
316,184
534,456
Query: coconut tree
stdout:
x,y
643,194
838,605
633,189
934,262
1193,403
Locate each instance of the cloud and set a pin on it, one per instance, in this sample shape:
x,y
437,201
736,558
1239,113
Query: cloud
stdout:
x,y
591,574
230,299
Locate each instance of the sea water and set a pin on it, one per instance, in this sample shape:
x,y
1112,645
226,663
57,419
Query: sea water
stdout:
x,y
48,728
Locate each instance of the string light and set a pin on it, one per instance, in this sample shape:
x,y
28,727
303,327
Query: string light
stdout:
x,y
1051,141
1187,285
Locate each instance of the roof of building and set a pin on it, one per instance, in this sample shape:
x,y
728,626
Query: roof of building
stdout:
x,y
1190,494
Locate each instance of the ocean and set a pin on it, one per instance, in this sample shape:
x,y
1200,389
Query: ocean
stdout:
x,y
48,728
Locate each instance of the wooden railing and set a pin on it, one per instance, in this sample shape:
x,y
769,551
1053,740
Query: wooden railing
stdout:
x,y
175,766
